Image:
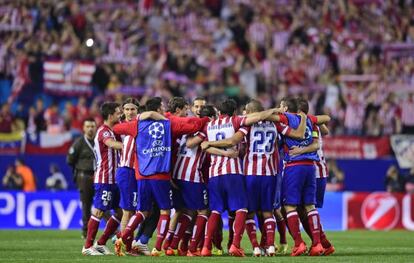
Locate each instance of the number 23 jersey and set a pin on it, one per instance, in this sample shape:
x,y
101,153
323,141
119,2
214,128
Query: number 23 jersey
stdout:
x,y
262,156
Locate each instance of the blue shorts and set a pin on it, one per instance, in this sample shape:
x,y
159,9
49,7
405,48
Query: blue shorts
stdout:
x,y
150,191
106,197
299,185
192,196
278,192
127,184
320,191
227,192
261,192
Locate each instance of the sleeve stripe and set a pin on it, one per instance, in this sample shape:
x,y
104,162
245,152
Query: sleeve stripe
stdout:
x,y
285,130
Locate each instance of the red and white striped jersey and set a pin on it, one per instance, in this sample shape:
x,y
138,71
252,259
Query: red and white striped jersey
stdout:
x,y
189,162
321,169
127,156
262,155
106,157
223,127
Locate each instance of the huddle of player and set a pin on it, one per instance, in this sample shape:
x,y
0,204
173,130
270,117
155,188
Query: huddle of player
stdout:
x,y
265,163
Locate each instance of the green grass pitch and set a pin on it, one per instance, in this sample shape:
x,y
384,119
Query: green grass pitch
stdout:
x,y
65,246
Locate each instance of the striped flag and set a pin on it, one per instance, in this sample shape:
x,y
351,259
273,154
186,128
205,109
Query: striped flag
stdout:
x,y
68,78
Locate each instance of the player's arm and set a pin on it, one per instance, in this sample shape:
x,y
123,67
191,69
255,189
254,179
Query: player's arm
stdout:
x,y
324,129
227,153
111,143
153,115
226,143
126,128
187,125
299,132
193,141
313,147
253,118
322,119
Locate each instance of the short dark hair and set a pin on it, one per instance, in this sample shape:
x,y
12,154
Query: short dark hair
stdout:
x,y
303,105
227,107
291,104
198,98
153,104
108,108
130,100
141,108
207,111
89,119
176,103
255,105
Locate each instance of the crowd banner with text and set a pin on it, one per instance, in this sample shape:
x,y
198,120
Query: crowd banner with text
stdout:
x,y
344,147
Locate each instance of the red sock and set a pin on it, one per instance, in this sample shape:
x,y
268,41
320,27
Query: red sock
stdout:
x,y
212,224
314,222
162,229
93,226
168,239
110,228
231,232
239,225
281,228
182,226
251,232
293,222
324,240
269,227
185,240
198,231
132,225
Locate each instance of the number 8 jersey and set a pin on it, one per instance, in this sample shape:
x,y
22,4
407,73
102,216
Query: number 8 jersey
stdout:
x,y
223,127
262,156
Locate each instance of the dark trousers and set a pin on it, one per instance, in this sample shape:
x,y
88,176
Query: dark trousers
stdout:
x,y
84,182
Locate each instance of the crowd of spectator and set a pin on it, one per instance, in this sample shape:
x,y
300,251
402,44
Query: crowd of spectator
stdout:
x,y
352,59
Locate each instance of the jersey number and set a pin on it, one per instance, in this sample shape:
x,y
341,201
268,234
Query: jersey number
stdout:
x,y
264,141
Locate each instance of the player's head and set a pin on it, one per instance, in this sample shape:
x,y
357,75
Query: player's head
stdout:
x,y
89,127
208,111
19,161
130,108
110,112
197,104
155,104
254,106
178,106
227,107
289,104
303,105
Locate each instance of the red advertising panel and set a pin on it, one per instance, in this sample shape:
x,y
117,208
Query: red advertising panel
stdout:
x,y
379,211
344,147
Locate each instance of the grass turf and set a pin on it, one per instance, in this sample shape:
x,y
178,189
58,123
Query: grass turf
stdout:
x,y
65,246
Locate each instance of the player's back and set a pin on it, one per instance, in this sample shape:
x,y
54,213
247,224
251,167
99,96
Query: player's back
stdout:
x,y
261,157
189,161
224,127
289,143
106,157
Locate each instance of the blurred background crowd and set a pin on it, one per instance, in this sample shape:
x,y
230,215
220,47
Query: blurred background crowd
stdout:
x,y
352,59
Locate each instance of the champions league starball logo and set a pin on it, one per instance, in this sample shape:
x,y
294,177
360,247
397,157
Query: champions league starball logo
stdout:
x,y
156,130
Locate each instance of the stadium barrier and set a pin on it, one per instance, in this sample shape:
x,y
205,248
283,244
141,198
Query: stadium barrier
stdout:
x,y
360,175
342,211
